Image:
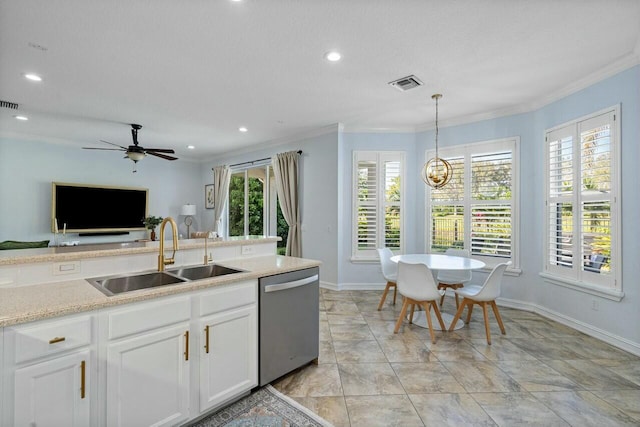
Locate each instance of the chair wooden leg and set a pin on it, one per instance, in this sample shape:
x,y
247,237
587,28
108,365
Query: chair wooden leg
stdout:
x,y
470,304
384,295
395,292
403,312
485,312
413,307
457,302
498,318
439,316
427,313
458,314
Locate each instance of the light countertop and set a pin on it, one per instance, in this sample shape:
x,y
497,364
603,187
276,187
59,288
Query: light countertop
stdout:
x,y
23,304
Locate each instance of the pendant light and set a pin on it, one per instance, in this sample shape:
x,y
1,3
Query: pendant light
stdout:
x,y
437,172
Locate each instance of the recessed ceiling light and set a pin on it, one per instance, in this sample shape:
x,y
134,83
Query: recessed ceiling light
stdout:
x,y
332,56
191,147
243,129
23,118
33,77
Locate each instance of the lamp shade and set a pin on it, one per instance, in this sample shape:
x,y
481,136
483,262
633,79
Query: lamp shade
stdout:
x,y
188,210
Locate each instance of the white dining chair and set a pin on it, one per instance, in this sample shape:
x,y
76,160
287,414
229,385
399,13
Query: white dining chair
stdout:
x,y
416,285
448,279
390,273
483,295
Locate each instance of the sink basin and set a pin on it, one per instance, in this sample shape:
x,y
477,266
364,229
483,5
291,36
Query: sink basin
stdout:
x,y
113,285
203,271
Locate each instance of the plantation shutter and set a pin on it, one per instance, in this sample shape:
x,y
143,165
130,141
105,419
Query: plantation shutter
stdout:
x,y
367,205
447,210
491,188
392,204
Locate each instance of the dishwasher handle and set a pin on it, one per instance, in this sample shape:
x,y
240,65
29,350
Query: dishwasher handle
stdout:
x,y
292,284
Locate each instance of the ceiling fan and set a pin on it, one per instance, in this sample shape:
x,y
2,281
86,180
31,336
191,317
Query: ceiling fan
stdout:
x,y
137,152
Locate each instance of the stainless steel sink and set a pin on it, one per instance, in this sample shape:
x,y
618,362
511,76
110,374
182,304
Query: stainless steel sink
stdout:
x,y
203,271
113,285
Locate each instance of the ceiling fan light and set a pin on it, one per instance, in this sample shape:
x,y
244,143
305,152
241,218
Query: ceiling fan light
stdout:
x,y
135,156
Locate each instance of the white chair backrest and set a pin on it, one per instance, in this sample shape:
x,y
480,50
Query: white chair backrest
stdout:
x,y
491,288
455,277
389,268
415,281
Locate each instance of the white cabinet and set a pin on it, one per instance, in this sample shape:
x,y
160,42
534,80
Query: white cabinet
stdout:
x,y
148,363
49,369
228,327
53,393
228,363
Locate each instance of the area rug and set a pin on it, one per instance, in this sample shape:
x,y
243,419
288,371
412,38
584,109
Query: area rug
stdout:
x,y
266,407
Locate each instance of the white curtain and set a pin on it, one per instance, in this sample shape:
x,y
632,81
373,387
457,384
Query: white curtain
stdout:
x,y
285,169
221,179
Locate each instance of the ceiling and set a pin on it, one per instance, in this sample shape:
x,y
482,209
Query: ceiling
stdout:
x,y
193,72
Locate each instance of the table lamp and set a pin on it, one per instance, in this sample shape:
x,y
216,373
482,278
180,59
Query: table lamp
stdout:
x,y
188,211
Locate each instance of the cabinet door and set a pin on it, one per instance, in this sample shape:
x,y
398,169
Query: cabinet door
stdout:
x,y
229,359
54,393
148,379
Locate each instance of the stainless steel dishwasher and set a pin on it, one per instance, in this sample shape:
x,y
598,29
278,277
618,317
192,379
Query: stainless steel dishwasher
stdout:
x,y
289,322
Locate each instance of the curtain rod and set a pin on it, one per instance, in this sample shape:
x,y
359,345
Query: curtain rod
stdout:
x,y
255,161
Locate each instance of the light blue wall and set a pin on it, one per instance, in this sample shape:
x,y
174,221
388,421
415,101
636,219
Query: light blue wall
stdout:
x,y
27,169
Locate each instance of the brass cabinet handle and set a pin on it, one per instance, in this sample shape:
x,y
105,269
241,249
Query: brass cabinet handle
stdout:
x,y
56,339
206,342
186,345
82,379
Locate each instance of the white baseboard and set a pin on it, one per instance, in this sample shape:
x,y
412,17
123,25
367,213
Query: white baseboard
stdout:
x,y
609,338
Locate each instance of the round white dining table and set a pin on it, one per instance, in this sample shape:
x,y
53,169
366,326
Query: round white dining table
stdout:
x,y
439,262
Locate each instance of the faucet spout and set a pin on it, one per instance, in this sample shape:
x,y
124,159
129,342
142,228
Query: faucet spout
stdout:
x,y
162,261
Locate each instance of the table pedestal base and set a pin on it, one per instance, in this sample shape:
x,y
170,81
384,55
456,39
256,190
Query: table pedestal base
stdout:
x,y
419,319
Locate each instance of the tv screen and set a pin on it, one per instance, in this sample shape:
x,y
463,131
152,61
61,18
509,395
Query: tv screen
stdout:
x,y
95,209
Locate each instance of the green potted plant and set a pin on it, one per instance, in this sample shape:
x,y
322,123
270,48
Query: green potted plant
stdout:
x,y
151,222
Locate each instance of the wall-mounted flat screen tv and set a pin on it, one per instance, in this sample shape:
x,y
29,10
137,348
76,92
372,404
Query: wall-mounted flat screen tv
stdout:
x,y
97,209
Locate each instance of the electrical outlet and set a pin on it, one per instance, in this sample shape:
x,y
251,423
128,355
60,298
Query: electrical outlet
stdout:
x,y
594,304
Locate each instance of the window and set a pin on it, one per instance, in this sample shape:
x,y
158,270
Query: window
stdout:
x,y
378,212
253,208
477,209
582,217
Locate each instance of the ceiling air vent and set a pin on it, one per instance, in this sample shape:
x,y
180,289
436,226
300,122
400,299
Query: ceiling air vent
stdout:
x,y
406,83
7,104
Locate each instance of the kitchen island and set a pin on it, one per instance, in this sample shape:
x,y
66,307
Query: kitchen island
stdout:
x,y
162,356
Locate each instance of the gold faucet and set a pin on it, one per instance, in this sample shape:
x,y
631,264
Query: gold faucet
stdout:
x,y
207,258
162,261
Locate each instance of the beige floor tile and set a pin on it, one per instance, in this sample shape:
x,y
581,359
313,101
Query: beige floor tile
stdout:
x,y
478,377
406,350
340,306
546,349
312,381
325,333
351,332
500,349
358,352
327,354
628,401
452,410
345,319
455,350
362,379
332,409
534,375
628,369
382,411
591,348
431,377
591,376
584,409
517,409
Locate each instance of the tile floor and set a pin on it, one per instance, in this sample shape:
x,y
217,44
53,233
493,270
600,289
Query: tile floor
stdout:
x,y
540,373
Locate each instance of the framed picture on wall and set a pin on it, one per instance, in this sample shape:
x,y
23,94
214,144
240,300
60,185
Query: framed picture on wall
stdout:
x,y
208,196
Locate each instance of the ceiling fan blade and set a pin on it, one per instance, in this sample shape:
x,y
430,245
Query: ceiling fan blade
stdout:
x,y
160,150
108,149
162,156
107,142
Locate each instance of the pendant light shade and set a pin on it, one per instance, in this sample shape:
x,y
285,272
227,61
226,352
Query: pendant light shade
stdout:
x,y
437,172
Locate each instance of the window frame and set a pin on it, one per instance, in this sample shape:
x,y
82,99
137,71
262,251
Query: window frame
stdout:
x,y
574,277
467,152
380,157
